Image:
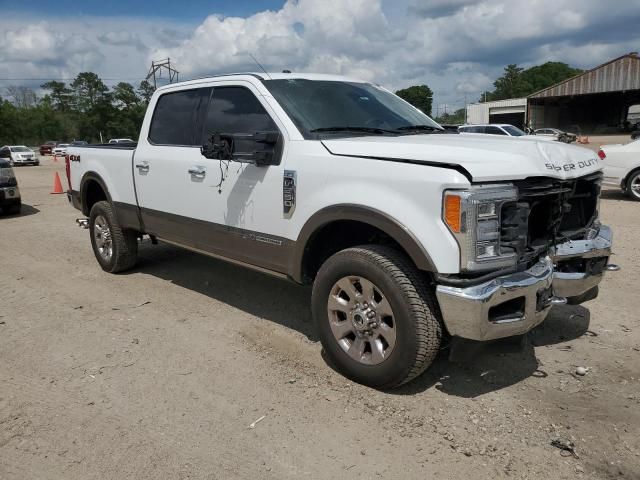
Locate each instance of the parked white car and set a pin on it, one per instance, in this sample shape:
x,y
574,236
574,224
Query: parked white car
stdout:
x,y
622,167
501,129
403,231
19,155
60,149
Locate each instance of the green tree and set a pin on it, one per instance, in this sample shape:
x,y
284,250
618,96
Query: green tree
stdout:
x,y
517,82
59,94
145,90
89,90
124,95
510,84
420,96
547,74
455,118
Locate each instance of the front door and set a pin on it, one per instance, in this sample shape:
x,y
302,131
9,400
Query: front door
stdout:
x,y
225,208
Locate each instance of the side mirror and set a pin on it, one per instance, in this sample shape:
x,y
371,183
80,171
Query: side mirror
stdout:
x,y
260,148
219,146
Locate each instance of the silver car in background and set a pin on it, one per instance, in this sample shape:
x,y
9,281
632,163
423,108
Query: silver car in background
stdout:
x,y
556,134
19,155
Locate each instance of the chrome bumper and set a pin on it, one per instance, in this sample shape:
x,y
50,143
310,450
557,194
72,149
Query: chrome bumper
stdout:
x,y
514,304
575,283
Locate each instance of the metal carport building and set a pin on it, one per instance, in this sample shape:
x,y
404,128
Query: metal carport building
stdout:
x,y
596,101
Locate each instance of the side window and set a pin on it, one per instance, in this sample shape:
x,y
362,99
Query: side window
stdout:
x,y
236,110
176,118
476,130
4,152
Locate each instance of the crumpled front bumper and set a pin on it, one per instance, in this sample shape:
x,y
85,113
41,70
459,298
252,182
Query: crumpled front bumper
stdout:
x,y
513,304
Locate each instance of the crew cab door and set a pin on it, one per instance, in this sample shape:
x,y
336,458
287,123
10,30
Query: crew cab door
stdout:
x,y
226,208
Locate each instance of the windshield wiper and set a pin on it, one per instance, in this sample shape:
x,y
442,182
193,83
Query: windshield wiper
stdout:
x,y
377,131
420,128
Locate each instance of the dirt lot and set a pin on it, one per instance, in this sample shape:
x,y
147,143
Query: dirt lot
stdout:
x,y
158,373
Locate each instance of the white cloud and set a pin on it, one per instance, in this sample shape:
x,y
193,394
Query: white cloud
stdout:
x,y
457,47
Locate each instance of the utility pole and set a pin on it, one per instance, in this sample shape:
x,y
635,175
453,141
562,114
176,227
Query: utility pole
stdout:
x,y
156,69
465,107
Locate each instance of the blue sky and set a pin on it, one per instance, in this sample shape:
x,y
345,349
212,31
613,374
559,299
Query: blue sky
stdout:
x,y
179,11
457,47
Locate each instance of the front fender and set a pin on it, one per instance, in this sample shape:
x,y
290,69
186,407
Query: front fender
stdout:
x,y
371,216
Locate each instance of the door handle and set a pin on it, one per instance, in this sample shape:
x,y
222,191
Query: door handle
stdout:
x,y
142,167
199,172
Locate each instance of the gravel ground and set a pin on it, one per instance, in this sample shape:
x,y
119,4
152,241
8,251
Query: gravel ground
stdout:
x,y
159,373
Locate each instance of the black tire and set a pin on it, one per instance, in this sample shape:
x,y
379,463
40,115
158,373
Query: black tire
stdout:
x,y
124,242
416,314
634,177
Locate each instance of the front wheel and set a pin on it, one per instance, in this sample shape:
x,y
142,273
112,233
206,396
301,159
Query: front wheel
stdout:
x,y
115,249
377,318
633,185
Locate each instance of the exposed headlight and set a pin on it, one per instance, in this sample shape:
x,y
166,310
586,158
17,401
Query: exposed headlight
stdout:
x,y
473,216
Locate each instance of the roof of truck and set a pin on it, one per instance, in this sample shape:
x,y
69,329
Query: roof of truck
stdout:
x,y
265,76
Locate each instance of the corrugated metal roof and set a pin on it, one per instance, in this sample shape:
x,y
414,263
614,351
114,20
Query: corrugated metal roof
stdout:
x,y
509,102
622,73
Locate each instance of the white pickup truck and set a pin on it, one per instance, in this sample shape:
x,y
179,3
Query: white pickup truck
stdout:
x,y
406,233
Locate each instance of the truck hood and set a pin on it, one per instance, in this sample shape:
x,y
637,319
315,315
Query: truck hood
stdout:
x,y
484,159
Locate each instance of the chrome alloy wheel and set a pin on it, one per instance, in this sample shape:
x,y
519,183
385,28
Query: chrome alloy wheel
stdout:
x,y
102,236
361,320
634,186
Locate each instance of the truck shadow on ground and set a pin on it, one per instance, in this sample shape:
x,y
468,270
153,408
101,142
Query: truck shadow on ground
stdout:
x,y
25,211
488,367
615,194
500,364
266,297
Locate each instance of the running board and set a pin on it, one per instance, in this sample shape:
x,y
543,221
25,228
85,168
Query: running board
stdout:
x,y
82,222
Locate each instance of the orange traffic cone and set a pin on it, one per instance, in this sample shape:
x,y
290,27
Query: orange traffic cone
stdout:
x,y
55,158
57,185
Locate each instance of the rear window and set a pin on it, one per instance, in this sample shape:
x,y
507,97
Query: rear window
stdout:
x,y
176,118
494,131
514,131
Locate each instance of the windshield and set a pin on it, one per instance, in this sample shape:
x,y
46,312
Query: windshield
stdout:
x,y
319,105
20,149
513,131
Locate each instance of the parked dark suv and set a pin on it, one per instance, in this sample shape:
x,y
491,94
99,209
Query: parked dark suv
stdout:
x,y
10,202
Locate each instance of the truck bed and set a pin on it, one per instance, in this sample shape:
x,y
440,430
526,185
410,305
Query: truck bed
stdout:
x,y
109,164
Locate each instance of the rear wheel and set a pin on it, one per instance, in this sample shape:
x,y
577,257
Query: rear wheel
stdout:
x,y
377,318
633,185
115,249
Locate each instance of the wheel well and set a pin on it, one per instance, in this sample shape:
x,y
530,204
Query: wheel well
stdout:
x,y
92,194
336,236
626,179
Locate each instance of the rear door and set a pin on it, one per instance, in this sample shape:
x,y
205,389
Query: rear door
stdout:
x,y
225,208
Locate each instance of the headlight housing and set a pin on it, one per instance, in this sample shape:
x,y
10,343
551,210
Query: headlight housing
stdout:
x,y
7,176
474,218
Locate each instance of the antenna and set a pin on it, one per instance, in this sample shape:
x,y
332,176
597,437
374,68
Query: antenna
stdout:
x,y
261,67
